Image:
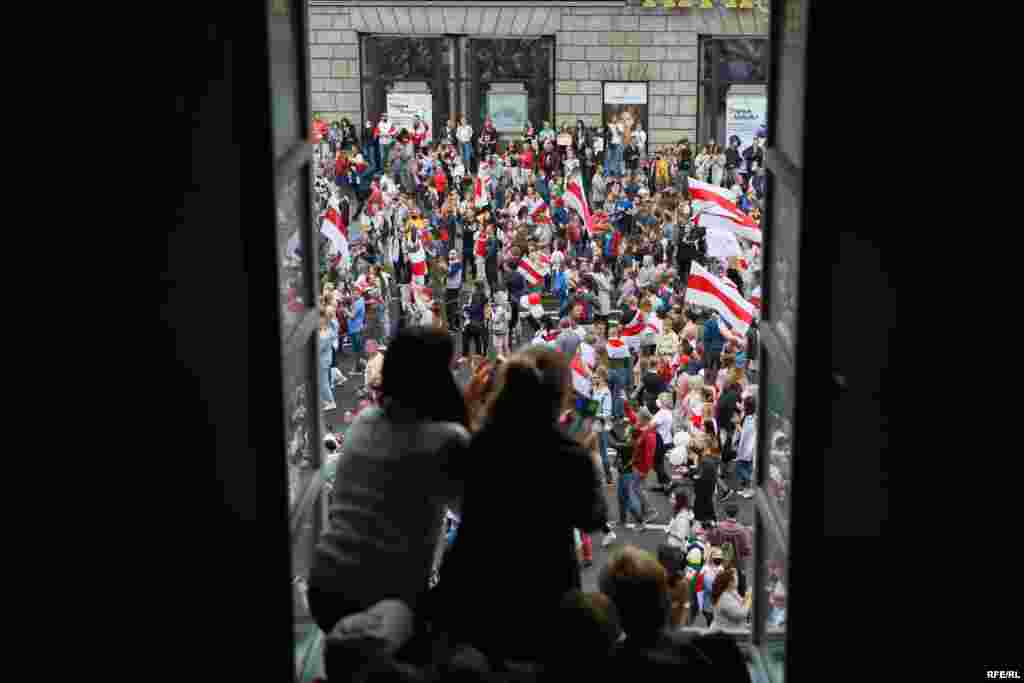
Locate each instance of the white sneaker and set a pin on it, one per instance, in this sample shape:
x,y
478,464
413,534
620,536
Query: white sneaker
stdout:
x,y
631,525
330,406
609,538
747,493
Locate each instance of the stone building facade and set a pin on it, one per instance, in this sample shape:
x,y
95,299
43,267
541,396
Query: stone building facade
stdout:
x,y
594,42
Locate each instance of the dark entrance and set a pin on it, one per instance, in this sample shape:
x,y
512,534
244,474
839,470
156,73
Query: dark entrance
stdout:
x,y
725,62
388,61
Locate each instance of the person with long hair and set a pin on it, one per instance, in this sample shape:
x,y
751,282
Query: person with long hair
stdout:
x,y
730,609
717,164
327,337
533,390
682,520
391,487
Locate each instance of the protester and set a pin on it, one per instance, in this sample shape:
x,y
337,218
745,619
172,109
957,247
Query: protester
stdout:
x,y
416,436
522,238
731,610
534,389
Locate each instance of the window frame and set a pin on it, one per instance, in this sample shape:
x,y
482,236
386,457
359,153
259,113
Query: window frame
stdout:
x,y
308,509
777,351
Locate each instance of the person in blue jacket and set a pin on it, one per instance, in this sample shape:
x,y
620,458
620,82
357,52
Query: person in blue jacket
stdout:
x,y
561,287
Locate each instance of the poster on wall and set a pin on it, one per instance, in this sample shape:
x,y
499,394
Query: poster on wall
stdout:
x,y
507,111
402,106
627,103
744,115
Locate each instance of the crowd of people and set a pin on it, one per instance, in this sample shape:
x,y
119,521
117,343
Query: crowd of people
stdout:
x,y
629,377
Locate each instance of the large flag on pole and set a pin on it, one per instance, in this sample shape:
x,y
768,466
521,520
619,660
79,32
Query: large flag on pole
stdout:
x,y
706,192
704,289
739,224
576,199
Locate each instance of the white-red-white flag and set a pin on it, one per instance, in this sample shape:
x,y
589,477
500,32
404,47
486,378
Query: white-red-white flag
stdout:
x,y
529,270
755,297
480,195
418,263
706,192
581,381
331,228
639,331
715,217
575,198
704,289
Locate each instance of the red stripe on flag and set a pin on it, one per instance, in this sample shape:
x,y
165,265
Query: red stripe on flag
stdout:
x,y
525,265
702,284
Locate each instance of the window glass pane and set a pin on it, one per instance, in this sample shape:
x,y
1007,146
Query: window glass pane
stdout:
x,y
293,231
777,392
788,121
285,75
299,420
306,494
773,601
782,272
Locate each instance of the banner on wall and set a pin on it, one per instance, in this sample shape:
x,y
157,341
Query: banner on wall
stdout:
x,y
508,111
744,115
627,102
402,106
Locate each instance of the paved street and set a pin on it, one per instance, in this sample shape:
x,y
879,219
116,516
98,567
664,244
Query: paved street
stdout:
x,y
346,399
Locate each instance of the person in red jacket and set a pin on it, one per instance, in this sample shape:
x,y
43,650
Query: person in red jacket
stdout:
x,y
440,180
643,457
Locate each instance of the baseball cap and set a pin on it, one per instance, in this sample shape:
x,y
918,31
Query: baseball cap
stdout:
x,y
716,553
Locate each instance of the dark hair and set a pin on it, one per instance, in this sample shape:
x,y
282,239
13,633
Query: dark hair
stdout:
x,y
682,502
673,560
750,405
534,386
732,510
590,621
418,357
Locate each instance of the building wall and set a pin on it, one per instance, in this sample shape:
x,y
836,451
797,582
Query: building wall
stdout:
x,y
595,43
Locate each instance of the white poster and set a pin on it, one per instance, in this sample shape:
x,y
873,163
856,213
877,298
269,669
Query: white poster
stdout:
x,y
744,114
625,93
507,111
402,106
722,243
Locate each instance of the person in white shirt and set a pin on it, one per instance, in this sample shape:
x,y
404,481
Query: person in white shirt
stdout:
x,y
747,446
662,423
615,128
603,396
640,139
557,256
385,137
682,521
464,134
